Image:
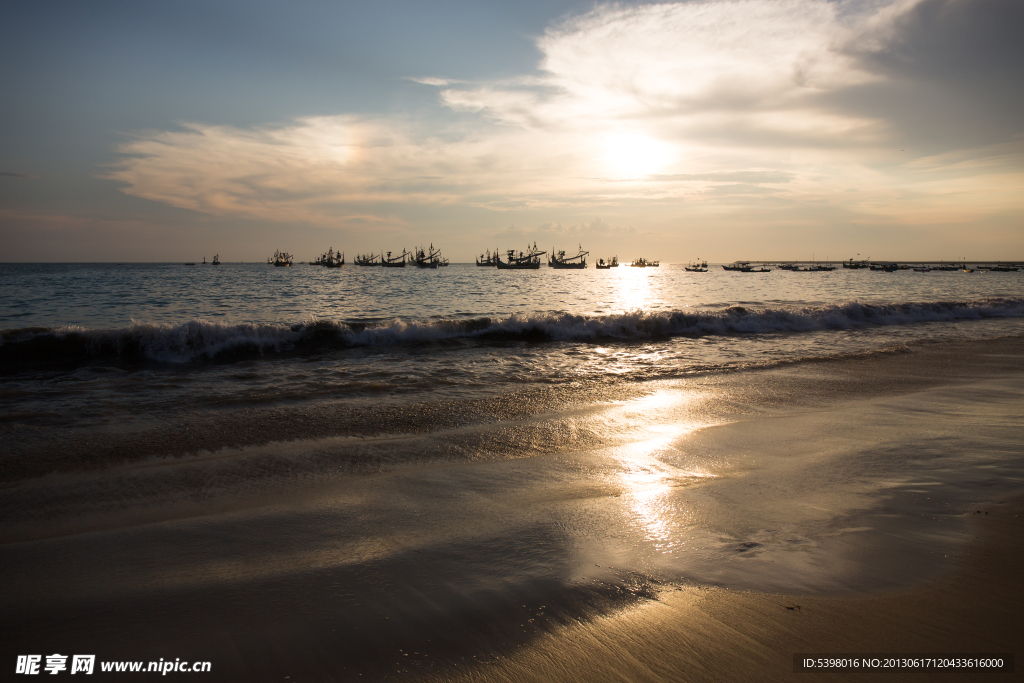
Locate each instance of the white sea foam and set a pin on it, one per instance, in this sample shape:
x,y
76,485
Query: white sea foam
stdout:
x,y
202,339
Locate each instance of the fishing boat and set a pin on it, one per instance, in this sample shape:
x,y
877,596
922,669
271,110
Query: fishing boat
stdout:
x,y
367,260
884,267
745,267
855,265
697,266
422,259
281,259
330,259
216,259
428,258
602,264
488,260
560,260
528,260
190,263
394,261
204,261
639,263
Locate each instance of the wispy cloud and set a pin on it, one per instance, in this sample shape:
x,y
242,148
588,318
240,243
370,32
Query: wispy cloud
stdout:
x,y
430,80
317,169
16,174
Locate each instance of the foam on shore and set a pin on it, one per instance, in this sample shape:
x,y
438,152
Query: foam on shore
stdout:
x,y
198,339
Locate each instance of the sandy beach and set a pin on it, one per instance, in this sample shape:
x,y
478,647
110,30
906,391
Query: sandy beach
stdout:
x,y
702,633
715,634
702,529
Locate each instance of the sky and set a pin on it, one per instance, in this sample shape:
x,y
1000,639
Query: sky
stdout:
x,y
715,129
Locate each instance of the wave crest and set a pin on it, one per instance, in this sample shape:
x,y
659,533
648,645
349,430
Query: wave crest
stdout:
x,y
197,340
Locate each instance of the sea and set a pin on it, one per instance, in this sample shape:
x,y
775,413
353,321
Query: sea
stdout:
x,y
120,338
282,454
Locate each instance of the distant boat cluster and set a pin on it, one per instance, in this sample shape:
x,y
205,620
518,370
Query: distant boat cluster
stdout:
x,y
866,264
524,260
419,257
216,261
432,258
531,259
330,259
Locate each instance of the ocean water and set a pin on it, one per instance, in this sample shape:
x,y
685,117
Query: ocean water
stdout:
x,y
168,335
311,470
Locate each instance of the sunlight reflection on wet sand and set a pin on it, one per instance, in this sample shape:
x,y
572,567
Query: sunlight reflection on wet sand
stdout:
x,y
651,510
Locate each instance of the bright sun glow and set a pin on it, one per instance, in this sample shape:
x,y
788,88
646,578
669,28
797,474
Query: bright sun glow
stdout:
x,y
632,155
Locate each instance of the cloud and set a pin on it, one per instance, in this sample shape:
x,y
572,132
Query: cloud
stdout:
x,y
713,103
758,177
438,82
310,169
16,174
947,73
556,232
685,66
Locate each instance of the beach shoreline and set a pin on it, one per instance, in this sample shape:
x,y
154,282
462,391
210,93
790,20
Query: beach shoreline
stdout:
x,y
670,552
40,449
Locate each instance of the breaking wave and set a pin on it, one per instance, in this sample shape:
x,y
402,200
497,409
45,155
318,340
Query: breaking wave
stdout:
x,y
198,340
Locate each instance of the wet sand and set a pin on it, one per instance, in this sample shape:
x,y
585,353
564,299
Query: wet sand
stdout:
x,y
70,444
660,533
715,634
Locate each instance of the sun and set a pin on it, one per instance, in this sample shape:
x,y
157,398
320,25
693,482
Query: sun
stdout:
x,y
634,155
